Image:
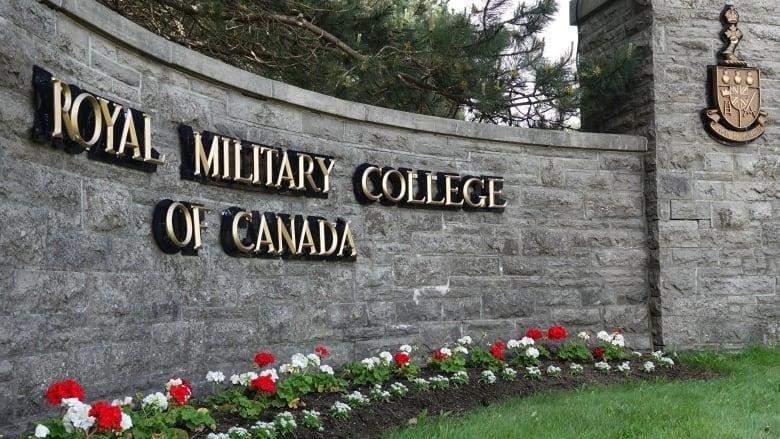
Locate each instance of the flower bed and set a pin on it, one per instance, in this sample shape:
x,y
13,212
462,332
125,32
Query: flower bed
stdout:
x,y
308,398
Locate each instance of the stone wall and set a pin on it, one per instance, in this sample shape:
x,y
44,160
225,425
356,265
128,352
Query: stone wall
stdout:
x,y
87,294
716,205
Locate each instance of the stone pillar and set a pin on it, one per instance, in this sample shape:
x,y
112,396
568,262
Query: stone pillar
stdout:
x,y
713,208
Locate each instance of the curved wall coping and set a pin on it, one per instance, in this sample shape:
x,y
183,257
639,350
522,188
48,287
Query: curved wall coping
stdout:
x,y
97,17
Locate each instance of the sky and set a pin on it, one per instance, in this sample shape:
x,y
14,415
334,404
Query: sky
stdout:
x,y
559,36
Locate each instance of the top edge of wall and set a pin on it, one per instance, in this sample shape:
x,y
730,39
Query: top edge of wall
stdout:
x,y
108,23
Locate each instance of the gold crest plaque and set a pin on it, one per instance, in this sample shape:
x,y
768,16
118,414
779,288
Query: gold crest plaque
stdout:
x,y
735,92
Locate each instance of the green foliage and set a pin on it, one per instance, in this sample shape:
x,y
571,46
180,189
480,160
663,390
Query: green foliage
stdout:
x,y
605,83
574,350
615,352
327,383
410,371
290,390
171,423
363,375
235,400
413,55
482,359
452,364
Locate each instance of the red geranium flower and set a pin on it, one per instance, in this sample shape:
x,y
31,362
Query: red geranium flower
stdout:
x,y
402,358
598,352
497,350
556,332
107,416
322,351
439,355
64,389
181,394
264,383
534,333
263,359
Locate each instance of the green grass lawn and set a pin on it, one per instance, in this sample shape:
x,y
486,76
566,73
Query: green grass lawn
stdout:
x,y
745,404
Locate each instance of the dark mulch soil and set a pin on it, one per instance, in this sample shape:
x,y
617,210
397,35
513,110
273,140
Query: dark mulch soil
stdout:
x,y
378,417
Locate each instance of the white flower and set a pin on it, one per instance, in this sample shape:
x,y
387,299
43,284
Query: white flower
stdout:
x,y
218,436
602,366
77,416
576,369
460,377
488,376
314,359
648,366
172,383
513,344
287,368
439,381
399,389
657,355
127,400
386,357
368,363
300,361
340,407
533,371
465,340
357,399
263,429
636,354
215,377
127,422
617,339
243,379
41,431
155,400
583,336
527,341
270,373
405,348
420,381
326,369
460,350
666,362
509,373
553,371
624,367
238,431
532,352
446,351
603,336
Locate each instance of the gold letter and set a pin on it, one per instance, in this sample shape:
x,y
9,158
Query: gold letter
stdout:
x,y
212,161
133,142
305,168
387,190
196,210
241,216
494,193
148,143
169,226
237,163
467,195
364,183
74,120
325,172
450,190
347,240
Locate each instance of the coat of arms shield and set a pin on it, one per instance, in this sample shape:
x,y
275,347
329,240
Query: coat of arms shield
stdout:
x,y
735,92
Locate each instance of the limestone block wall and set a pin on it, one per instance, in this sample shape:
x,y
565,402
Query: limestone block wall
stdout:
x,y
719,205
86,293
712,208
